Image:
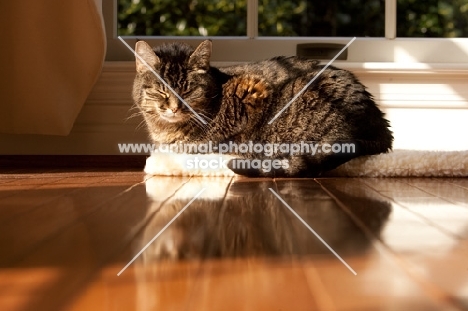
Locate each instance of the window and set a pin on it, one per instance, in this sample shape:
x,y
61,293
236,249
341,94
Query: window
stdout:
x,y
388,31
303,18
182,18
432,18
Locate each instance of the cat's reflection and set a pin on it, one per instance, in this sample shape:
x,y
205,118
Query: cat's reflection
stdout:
x,y
232,219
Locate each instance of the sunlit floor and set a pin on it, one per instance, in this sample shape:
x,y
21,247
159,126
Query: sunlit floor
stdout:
x,y
91,240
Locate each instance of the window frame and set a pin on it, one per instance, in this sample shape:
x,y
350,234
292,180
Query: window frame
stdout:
x,y
364,52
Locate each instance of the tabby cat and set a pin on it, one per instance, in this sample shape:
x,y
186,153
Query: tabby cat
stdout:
x,y
237,103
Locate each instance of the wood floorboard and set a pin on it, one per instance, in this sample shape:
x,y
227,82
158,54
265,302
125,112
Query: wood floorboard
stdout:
x,y
78,251
44,221
65,235
377,269
167,196
24,197
432,251
448,191
256,239
460,182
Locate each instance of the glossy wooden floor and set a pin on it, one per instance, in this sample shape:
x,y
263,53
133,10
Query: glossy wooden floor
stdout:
x,y
64,237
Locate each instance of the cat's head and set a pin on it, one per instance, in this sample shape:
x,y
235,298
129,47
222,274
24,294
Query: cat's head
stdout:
x,y
181,68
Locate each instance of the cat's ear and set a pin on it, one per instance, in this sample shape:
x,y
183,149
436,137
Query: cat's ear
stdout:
x,y
200,58
147,54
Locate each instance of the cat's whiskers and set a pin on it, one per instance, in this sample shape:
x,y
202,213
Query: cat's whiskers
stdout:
x,y
135,111
136,114
133,115
150,118
143,124
206,117
194,121
140,125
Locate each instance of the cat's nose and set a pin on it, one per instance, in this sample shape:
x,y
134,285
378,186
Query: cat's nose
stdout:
x,y
175,109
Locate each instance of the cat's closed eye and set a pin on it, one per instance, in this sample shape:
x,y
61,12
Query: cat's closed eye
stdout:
x,y
157,95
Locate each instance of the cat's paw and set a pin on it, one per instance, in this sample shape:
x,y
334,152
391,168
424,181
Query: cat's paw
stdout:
x,y
252,91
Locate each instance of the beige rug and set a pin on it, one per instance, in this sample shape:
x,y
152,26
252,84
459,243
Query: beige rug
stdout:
x,y
399,163
407,163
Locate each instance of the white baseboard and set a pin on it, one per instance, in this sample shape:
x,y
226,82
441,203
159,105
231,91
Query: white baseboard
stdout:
x,y
427,107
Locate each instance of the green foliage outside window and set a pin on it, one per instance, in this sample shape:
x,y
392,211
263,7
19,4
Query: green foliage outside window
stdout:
x,y
415,18
182,17
432,18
